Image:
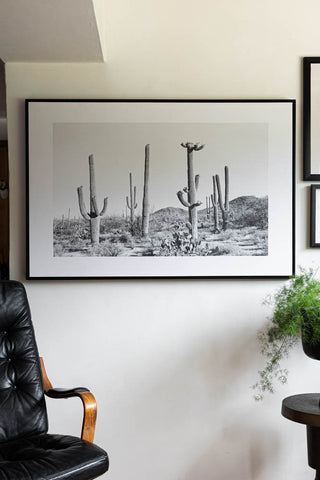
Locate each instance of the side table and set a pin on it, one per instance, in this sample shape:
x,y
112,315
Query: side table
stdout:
x,y
305,409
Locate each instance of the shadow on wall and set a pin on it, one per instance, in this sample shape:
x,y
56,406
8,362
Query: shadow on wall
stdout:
x,y
196,410
240,449
224,459
224,363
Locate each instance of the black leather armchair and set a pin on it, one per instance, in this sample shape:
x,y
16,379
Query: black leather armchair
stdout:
x,y
27,451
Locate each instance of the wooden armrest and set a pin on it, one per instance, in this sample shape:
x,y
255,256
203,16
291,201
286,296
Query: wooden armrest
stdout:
x,y
87,398
65,392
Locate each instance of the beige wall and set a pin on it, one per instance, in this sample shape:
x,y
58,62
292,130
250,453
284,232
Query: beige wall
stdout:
x,y
171,362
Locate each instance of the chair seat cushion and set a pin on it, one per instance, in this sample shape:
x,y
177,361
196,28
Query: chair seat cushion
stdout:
x,y
54,457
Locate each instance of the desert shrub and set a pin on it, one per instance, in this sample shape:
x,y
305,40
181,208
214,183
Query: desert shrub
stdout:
x,y
136,227
227,235
105,249
217,251
124,238
58,250
253,213
179,243
260,236
159,237
166,220
112,224
62,247
78,228
160,224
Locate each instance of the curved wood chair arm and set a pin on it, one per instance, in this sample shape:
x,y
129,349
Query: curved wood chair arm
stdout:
x,y
87,398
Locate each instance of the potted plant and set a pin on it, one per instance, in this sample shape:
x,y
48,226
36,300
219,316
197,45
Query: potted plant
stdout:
x,y
296,314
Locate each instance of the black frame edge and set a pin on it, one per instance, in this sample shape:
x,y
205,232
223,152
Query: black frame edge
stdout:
x,y
306,135
313,212
238,277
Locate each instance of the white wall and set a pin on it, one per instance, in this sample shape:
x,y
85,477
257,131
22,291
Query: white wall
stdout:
x,y
171,362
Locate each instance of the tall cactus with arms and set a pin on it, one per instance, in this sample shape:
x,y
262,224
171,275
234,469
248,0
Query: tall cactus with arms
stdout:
x,y
224,206
94,216
193,182
215,205
132,203
208,207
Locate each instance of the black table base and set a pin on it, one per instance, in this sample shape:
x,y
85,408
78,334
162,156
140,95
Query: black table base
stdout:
x,y
305,409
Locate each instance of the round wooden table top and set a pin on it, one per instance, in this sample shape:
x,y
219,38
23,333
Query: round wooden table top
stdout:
x,y
303,408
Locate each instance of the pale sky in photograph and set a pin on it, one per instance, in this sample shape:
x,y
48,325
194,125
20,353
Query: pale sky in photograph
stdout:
x,y
118,149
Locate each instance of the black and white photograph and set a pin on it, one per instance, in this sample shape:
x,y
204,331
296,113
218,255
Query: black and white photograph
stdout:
x,y
146,190
160,188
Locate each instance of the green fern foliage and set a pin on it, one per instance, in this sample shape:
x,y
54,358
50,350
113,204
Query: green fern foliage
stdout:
x,y
296,313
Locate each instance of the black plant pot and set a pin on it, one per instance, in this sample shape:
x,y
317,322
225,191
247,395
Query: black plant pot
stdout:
x,y
311,350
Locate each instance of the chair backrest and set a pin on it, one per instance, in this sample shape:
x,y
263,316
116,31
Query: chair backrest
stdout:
x,y
22,405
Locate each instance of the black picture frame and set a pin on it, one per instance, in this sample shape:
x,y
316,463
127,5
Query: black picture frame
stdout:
x,y
314,216
278,117
310,118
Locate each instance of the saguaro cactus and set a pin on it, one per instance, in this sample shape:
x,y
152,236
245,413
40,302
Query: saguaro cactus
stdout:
x,y
145,201
193,182
132,204
215,205
94,216
208,208
224,206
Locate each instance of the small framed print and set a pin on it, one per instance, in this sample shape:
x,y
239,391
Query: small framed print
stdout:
x,y
311,118
315,216
160,188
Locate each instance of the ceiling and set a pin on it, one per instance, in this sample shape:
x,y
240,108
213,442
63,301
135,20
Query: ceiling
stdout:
x,y
49,31
52,30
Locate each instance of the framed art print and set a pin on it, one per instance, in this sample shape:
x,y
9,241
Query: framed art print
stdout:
x,y
315,216
160,188
311,118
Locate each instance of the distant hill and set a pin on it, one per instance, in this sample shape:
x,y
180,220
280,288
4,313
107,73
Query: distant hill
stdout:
x,y
245,211
249,211
173,212
248,201
245,201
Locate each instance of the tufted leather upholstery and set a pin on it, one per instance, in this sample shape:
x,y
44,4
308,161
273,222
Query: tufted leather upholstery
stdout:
x,y
51,457
27,451
22,404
